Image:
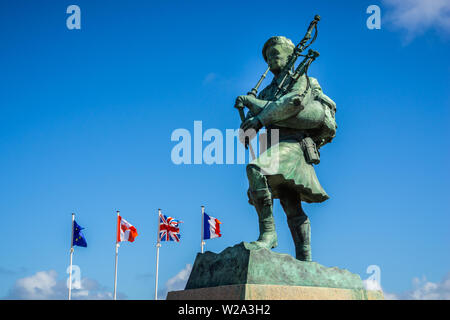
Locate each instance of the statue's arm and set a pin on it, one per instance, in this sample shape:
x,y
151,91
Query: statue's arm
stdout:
x,y
286,107
295,110
253,104
272,111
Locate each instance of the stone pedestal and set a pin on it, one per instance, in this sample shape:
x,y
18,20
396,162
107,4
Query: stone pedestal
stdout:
x,y
273,292
238,273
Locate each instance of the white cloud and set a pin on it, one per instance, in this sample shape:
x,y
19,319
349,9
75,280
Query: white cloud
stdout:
x,y
417,16
44,285
178,282
425,290
41,285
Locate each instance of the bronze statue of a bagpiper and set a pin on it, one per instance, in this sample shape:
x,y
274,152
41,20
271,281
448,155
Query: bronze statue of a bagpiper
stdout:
x,y
294,107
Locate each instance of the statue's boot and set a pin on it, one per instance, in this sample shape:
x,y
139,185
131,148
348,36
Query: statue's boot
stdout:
x,y
301,233
262,200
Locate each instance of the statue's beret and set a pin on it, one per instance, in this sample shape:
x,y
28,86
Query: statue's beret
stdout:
x,y
276,40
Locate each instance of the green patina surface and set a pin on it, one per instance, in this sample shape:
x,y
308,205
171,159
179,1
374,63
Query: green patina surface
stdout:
x,y
240,265
300,119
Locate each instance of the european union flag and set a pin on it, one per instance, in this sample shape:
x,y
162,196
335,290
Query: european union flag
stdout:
x,y
78,237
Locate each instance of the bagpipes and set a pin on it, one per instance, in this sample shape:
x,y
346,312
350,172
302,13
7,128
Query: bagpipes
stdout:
x,y
288,75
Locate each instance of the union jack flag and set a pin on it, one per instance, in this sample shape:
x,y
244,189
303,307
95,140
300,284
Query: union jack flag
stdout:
x,y
168,229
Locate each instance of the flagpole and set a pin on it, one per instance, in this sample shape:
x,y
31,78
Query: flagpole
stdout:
x,y
71,258
203,226
158,245
117,255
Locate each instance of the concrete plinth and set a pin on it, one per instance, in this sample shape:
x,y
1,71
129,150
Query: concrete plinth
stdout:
x,y
243,273
273,292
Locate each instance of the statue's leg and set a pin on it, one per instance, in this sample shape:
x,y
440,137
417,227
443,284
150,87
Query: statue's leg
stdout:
x,y
298,223
261,197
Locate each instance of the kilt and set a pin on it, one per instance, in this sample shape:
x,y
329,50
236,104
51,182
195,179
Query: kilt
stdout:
x,y
284,166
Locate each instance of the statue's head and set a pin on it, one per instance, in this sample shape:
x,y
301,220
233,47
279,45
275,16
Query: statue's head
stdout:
x,y
276,52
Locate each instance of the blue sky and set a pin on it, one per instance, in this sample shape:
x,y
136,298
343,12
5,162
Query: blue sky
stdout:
x,y
86,118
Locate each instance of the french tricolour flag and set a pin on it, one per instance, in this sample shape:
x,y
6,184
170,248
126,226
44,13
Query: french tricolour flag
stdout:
x,y
211,227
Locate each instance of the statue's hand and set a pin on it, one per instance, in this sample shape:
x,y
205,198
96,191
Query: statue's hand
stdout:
x,y
246,135
249,129
241,102
253,104
252,123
